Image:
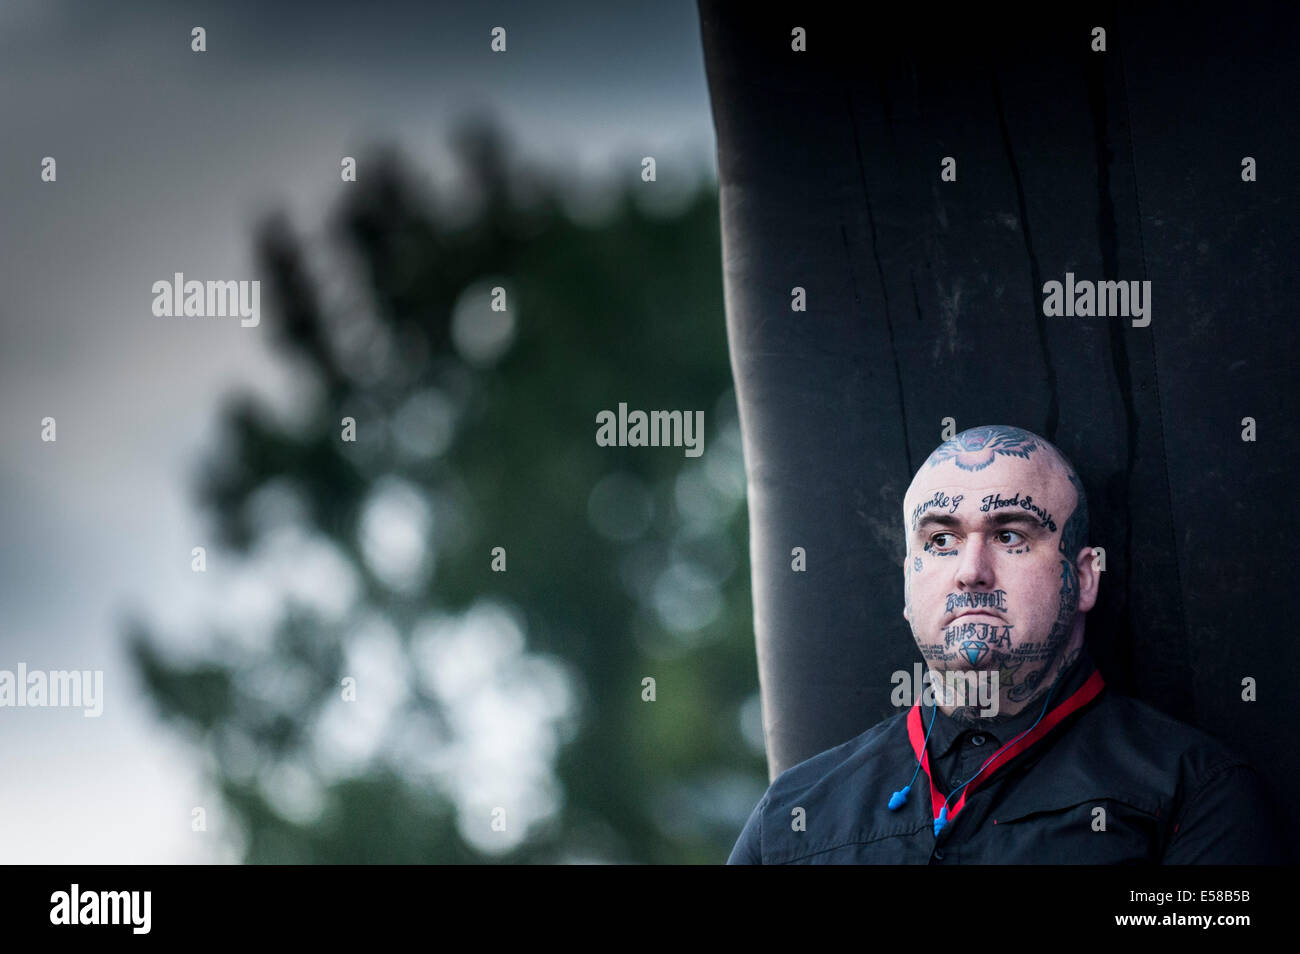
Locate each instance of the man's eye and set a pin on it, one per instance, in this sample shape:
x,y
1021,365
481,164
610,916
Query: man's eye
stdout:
x,y
935,540
1013,533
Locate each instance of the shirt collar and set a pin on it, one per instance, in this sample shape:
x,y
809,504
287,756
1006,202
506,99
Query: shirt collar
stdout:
x,y
948,732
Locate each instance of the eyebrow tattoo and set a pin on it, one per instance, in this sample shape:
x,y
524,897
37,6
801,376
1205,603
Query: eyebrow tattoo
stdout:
x,y
992,520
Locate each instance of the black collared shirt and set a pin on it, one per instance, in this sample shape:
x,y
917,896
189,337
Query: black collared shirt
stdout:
x,y
1114,782
957,750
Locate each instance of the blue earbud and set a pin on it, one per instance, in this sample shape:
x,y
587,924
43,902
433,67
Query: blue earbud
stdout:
x,y
899,798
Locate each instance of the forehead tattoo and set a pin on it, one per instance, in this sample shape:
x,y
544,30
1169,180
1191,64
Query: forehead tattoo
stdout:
x,y
974,450
978,447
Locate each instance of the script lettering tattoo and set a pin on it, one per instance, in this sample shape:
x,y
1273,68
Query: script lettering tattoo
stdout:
x,y
995,600
990,633
1030,650
994,502
940,499
976,448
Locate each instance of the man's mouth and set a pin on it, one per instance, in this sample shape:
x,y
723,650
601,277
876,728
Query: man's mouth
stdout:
x,y
973,613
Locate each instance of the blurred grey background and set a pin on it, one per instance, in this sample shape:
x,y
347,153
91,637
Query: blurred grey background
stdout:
x,y
167,161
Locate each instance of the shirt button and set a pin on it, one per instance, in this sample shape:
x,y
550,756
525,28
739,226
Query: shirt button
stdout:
x,y
977,740
938,854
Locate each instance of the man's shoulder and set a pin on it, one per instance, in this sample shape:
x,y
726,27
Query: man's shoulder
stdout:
x,y
1219,808
831,792
857,753
1169,732
1151,744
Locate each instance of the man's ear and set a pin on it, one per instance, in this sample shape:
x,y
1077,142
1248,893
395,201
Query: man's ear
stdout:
x,y
1089,578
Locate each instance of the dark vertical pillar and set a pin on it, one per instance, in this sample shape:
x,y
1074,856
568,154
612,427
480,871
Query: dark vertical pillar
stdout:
x,y
925,302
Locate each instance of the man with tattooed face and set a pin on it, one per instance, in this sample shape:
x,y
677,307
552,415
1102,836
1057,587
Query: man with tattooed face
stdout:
x,y
998,573
1015,751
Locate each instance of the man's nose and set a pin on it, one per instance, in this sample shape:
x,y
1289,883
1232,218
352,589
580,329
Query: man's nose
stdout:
x,y
975,564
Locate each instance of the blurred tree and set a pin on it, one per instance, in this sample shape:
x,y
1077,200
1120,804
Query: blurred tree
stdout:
x,y
513,696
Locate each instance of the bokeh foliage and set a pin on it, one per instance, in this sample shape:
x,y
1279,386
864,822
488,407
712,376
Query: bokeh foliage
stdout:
x,y
648,577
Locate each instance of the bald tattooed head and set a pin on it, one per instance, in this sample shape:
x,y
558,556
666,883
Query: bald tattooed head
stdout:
x,y
998,573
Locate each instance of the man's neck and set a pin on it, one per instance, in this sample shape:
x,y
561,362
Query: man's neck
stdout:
x,y
971,715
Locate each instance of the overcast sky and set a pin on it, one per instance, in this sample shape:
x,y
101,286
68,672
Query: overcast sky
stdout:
x,y
166,158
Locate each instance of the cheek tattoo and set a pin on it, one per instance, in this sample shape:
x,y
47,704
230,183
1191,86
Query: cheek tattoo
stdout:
x,y
929,548
1072,540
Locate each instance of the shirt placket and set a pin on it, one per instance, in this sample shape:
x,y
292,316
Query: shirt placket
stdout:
x,y
972,749
975,747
